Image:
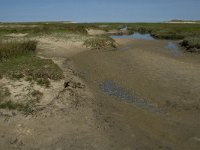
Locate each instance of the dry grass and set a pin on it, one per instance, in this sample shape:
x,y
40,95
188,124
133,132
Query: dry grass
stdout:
x,y
10,49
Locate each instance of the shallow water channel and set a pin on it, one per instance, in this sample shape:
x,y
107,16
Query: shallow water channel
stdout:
x,y
112,89
135,36
170,45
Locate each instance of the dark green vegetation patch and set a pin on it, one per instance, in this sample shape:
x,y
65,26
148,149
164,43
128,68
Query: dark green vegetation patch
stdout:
x,y
18,61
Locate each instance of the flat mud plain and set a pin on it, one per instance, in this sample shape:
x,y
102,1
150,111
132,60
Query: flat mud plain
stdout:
x,y
141,96
161,110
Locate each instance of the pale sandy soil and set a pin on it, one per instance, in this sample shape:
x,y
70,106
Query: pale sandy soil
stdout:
x,y
51,47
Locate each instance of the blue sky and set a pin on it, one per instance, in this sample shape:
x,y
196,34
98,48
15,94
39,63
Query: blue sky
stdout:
x,y
99,10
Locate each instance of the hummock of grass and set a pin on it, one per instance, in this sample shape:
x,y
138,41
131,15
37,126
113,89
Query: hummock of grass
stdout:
x,y
192,44
28,107
16,48
166,34
100,42
32,68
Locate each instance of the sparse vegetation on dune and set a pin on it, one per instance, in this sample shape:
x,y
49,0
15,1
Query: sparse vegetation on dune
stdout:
x,y
25,108
18,60
4,92
6,103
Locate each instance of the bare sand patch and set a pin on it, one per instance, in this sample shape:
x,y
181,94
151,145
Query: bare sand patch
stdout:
x,y
55,47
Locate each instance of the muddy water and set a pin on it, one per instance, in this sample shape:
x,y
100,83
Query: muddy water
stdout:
x,y
111,89
173,47
129,83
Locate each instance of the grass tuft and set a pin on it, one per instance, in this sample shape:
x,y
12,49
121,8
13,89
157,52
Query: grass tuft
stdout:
x,y
37,95
166,34
4,92
43,82
25,108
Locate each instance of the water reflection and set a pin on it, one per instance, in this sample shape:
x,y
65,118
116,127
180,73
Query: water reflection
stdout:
x,y
135,36
111,89
172,47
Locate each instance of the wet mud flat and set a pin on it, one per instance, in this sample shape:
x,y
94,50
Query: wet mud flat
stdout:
x,y
111,89
131,85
